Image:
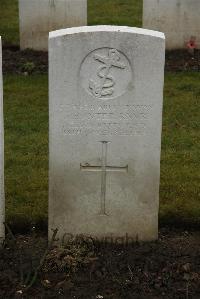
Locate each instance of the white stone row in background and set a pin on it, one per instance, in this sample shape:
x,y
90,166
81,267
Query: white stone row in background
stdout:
x,y
38,17
106,96
2,197
178,19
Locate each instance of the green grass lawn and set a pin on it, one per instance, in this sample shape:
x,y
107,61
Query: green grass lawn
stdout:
x,y
180,167
26,130
26,140
9,21
115,12
26,149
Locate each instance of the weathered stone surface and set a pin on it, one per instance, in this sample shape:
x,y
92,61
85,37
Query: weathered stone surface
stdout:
x,y
178,19
106,92
2,197
39,17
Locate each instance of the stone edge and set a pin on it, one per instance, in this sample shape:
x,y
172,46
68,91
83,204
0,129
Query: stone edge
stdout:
x,y
105,28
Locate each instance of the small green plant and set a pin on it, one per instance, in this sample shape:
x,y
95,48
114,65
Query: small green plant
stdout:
x,y
28,67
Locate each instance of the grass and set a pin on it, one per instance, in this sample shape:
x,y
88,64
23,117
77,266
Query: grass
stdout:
x,y
26,140
26,130
9,21
180,167
26,149
115,12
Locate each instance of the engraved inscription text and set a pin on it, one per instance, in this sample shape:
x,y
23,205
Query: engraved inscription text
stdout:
x,y
106,120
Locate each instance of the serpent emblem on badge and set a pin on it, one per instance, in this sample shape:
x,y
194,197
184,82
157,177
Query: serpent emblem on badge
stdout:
x,y
105,73
105,87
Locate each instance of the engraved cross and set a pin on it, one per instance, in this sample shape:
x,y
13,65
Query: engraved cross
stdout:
x,y
104,168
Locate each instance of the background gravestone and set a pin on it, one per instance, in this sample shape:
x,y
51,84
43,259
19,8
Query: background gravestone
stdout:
x,y
38,17
2,199
106,93
178,19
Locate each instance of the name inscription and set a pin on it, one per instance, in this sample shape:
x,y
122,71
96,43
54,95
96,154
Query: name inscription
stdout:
x,y
105,119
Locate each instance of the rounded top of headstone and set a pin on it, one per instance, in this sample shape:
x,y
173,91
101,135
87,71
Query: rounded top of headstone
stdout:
x,y
105,28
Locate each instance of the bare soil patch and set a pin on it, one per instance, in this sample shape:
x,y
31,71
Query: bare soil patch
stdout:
x,y
35,62
168,268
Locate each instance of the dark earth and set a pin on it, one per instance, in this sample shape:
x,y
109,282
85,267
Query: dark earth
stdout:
x,y
83,269
32,62
168,268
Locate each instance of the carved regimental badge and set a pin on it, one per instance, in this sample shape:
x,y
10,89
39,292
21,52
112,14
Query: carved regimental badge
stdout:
x,y
106,73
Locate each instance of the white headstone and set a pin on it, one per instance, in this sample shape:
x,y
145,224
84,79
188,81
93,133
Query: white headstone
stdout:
x,y
2,197
178,19
38,17
106,93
